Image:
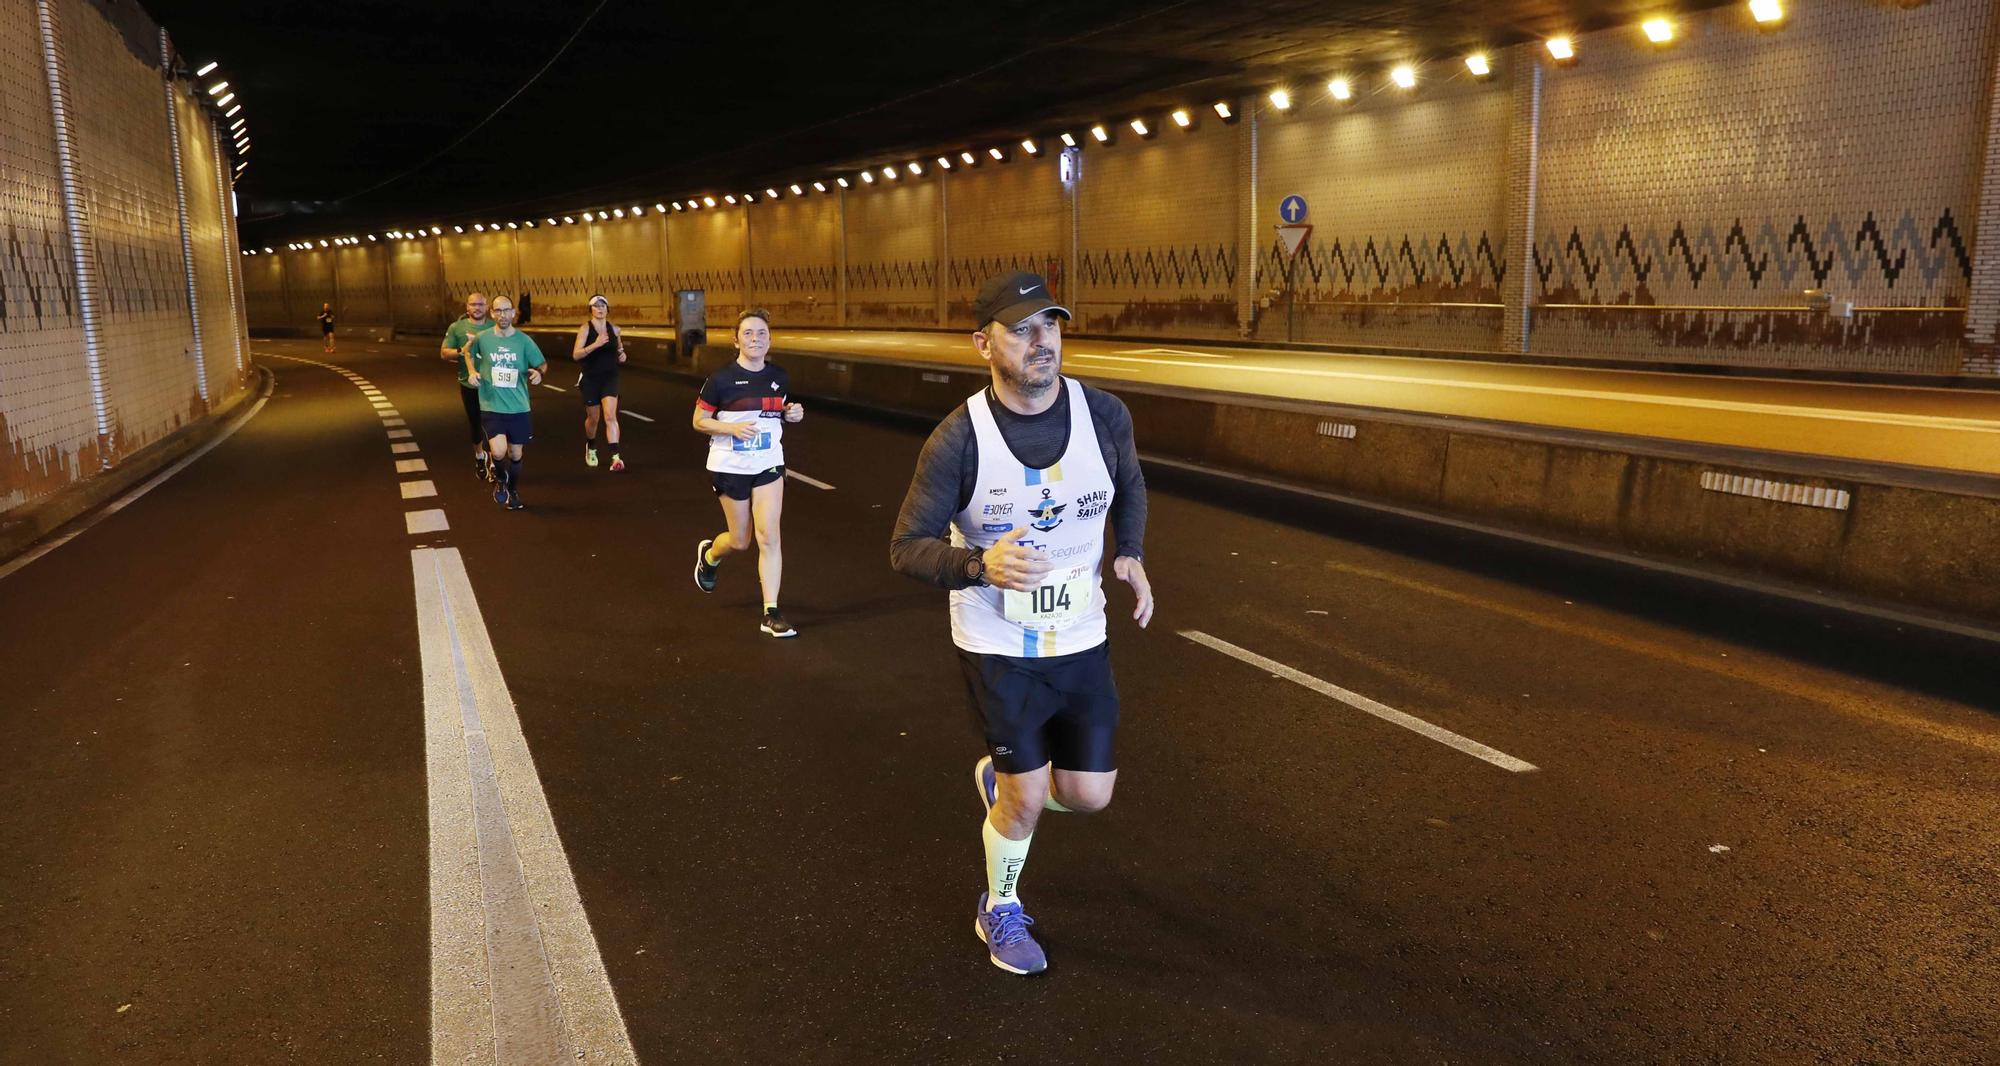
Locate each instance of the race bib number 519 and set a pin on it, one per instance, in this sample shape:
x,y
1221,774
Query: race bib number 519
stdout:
x,y
506,377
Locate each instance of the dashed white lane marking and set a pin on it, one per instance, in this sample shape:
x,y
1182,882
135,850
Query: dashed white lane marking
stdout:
x,y
411,466
431,521
388,413
516,975
1364,704
380,404
553,388
393,422
143,488
814,482
404,448
413,490
635,414
400,434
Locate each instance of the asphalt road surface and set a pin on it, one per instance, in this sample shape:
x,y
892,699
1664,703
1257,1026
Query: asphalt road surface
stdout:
x,y
285,777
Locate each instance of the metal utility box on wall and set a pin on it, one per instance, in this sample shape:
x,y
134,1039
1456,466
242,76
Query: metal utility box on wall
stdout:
x,y
690,319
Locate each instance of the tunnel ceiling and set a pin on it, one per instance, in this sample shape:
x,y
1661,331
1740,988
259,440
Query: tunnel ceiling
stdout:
x,y
353,105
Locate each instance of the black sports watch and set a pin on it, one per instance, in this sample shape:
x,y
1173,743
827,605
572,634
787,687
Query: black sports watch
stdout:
x,y
977,571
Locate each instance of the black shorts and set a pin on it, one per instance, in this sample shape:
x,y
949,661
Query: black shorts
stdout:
x,y
516,426
1061,710
595,387
738,486
469,394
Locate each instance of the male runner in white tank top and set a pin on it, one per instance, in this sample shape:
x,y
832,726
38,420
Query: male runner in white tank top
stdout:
x,y
1025,477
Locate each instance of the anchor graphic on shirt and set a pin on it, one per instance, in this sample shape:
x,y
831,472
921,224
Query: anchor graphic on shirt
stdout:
x,y
1047,513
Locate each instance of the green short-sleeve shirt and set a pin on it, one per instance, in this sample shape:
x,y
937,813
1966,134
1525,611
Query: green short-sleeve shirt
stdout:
x,y
502,363
461,332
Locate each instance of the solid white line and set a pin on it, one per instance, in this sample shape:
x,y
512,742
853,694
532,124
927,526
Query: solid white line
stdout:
x,y
403,448
814,482
1364,704
516,975
416,490
143,488
635,414
411,466
431,521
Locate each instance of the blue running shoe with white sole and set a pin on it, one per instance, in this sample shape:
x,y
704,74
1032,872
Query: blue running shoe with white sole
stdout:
x,y
987,782
500,493
1004,929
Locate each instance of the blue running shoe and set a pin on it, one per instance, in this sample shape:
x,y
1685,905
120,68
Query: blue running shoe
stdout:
x,y
1004,929
500,493
987,782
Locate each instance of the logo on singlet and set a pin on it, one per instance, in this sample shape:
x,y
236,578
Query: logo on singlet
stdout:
x,y
1092,504
1047,512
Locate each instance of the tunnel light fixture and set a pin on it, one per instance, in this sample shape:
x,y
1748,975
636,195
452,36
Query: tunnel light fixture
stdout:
x,y
843,183
1224,112
510,225
695,205
771,192
1281,99
1658,30
322,244
1561,49
458,229
729,198
944,162
1139,127
1341,89
231,113
1029,146
819,186
1102,135
998,154
618,212
868,177
1405,76
203,72
477,228
371,238
968,159
236,125
679,207
226,98
526,223
1767,12
1182,118
638,210
1477,64
890,173
916,168
217,87
797,189
1069,140
268,251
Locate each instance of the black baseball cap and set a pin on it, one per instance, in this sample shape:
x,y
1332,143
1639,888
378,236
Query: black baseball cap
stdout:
x,y
1012,297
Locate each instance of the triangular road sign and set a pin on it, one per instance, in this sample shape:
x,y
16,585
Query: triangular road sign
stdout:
x,y
1294,237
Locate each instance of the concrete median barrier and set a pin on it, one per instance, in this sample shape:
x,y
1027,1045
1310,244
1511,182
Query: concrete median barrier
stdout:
x,y
1873,536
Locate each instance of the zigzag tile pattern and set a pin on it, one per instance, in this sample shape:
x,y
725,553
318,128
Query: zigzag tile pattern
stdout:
x,y
1391,265
1928,261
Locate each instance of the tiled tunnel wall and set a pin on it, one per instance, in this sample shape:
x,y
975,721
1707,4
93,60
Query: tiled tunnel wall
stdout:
x,y
1642,203
68,412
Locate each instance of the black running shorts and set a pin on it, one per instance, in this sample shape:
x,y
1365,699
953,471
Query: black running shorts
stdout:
x,y
595,387
1061,710
738,486
517,427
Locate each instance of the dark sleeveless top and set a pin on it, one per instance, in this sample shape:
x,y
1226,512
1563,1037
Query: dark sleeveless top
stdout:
x,y
604,361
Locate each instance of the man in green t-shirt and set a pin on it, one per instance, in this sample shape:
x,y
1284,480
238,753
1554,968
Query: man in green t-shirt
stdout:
x,y
461,333
502,363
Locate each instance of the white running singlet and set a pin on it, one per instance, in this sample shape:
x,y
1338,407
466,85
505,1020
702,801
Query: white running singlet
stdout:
x,y
1064,509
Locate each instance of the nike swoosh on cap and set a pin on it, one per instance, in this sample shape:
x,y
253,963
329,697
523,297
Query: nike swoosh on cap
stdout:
x,y
1029,289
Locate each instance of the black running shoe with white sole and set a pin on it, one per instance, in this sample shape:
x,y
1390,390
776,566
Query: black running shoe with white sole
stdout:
x,y
704,571
775,624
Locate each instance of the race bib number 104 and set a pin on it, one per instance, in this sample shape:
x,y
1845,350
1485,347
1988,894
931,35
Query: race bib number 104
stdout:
x,y
1050,606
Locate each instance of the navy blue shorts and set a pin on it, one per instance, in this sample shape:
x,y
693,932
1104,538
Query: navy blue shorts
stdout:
x,y
517,428
738,486
595,387
1033,712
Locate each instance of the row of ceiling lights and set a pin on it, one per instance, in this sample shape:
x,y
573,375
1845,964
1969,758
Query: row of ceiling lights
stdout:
x,y
1404,76
223,97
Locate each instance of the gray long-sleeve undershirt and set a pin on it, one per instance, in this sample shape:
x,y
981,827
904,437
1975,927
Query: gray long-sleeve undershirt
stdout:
x,y
948,472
